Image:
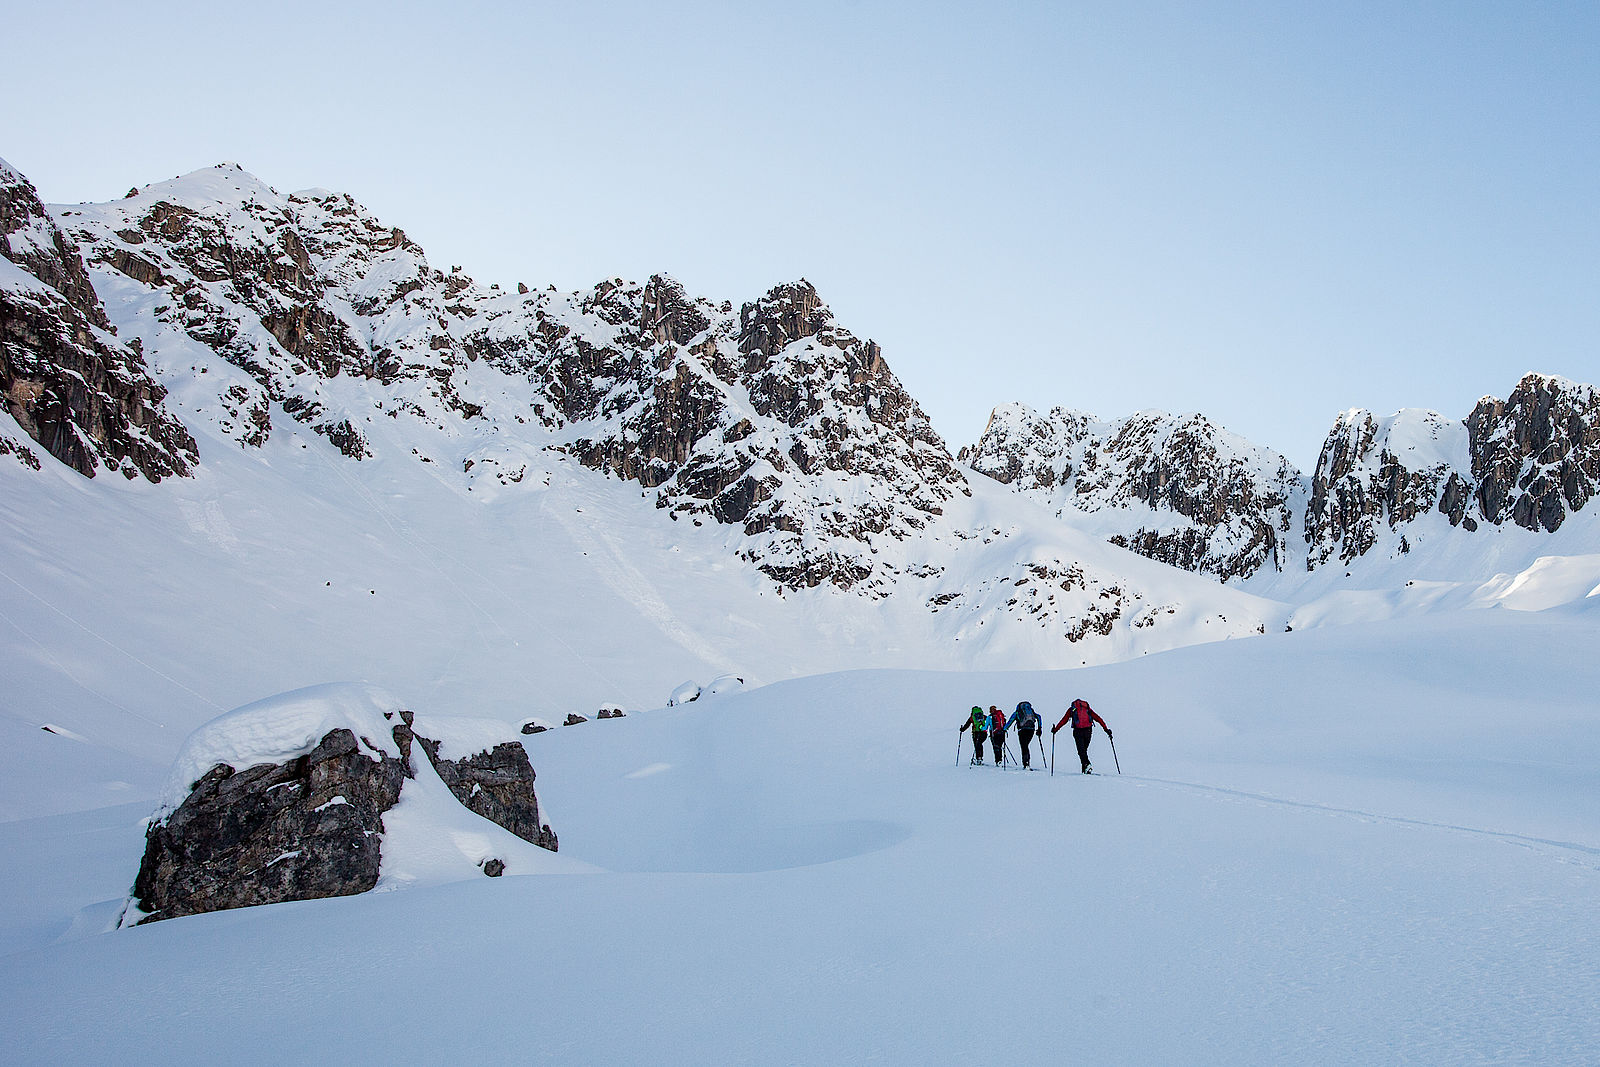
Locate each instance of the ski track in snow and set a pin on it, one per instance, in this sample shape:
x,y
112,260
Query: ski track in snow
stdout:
x,y
1537,843
611,564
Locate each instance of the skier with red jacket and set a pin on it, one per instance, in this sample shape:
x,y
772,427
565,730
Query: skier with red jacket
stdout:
x,y
997,733
1083,718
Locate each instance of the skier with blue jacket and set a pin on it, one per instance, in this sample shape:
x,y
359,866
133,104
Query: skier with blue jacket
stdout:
x,y
1027,723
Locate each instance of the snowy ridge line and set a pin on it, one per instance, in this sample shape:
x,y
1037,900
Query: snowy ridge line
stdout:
x,y
1399,820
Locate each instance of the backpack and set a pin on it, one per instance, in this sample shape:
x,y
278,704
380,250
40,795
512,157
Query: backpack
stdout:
x,y
999,719
980,722
1080,715
1025,718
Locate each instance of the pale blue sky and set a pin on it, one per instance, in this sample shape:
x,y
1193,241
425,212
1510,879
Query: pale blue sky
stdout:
x,y
1267,212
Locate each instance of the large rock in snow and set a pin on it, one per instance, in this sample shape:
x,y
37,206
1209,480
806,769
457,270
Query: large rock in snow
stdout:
x,y
262,834
285,800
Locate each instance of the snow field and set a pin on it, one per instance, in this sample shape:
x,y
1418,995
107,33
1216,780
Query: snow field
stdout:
x,y
804,872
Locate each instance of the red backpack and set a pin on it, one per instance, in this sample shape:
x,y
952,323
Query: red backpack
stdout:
x,y
999,719
1080,715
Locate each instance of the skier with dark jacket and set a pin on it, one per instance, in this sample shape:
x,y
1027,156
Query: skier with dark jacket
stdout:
x,y
978,723
1083,718
1027,723
997,734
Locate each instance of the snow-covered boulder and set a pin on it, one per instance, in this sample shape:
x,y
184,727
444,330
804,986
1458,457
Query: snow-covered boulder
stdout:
x,y
727,683
285,799
684,694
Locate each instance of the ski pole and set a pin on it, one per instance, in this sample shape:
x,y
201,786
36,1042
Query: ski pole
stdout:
x,y
1114,753
1053,754
1009,753
958,748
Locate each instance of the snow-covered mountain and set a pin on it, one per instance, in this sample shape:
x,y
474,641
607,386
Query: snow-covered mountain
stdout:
x,y
1178,489
771,422
770,418
1187,492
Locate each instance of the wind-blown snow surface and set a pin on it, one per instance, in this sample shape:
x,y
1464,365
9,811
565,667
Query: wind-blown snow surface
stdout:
x,y
1373,844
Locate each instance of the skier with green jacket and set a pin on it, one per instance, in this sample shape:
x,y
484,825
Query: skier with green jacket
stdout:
x,y
978,723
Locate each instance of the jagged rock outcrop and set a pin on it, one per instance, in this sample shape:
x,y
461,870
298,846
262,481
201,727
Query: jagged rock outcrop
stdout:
x,y
250,831
1531,460
296,291
1187,493
756,418
1376,475
84,396
497,784
307,828
1178,489
1535,455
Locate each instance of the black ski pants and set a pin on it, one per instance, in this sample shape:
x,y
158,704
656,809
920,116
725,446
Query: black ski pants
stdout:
x,y
1081,735
1025,739
997,738
978,738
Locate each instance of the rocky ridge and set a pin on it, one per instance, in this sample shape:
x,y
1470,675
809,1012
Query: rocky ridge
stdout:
x,y
770,418
84,396
1188,493
1177,489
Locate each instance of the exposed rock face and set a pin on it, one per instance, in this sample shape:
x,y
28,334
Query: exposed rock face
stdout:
x,y
1536,455
1178,489
497,784
1532,460
273,832
295,291
313,826
755,419
1187,493
86,398
1377,474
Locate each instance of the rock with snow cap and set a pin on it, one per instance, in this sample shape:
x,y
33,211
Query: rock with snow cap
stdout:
x,y
286,799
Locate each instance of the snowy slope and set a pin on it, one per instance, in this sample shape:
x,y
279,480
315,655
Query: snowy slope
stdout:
x,y
1352,845
135,612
